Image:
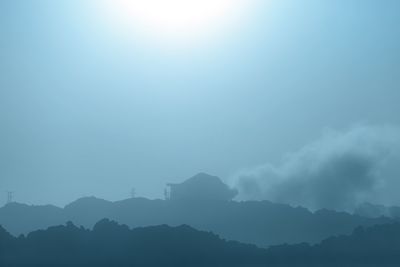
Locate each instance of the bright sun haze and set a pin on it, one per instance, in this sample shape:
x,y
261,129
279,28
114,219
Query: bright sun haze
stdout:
x,y
182,20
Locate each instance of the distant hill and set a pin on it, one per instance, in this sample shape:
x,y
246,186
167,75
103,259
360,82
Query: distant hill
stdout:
x,y
21,218
375,211
257,222
261,223
111,244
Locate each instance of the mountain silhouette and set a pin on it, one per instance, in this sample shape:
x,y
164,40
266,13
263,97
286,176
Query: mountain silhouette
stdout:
x,y
112,244
378,245
375,211
262,223
21,218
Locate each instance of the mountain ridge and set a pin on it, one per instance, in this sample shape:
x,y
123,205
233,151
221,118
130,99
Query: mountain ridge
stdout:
x,y
112,244
281,223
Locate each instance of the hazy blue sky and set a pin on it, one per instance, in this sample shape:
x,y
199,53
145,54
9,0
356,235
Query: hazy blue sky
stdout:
x,y
86,110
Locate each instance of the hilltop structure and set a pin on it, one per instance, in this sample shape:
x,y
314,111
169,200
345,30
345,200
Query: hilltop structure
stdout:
x,y
201,187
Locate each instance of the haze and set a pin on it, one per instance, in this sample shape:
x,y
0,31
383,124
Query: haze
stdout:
x,y
89,109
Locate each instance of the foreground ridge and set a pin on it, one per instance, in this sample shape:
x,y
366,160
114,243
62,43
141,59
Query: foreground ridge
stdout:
x,y
112,244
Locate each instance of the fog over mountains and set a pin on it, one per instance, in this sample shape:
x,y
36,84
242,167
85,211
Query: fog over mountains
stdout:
x,y
197,224
340,170
262,223
108,107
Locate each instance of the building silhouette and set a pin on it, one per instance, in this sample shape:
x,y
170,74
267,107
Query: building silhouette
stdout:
x,y
201,187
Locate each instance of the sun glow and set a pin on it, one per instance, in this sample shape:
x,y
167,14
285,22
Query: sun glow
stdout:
x,y
175,19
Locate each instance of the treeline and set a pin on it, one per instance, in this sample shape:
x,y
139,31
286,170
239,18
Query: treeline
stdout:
x,y
111,244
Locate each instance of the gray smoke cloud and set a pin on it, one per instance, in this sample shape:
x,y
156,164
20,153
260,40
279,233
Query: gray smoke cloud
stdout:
x,y
338,171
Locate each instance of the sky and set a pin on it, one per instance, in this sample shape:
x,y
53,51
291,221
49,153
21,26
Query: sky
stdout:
x,y
90,105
